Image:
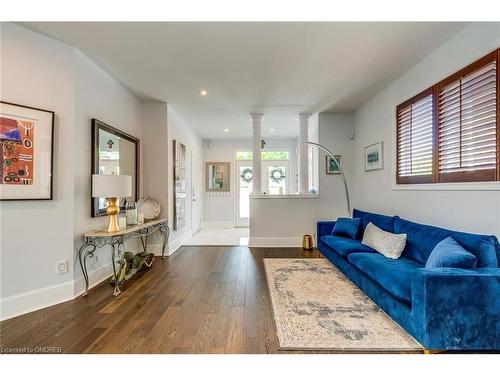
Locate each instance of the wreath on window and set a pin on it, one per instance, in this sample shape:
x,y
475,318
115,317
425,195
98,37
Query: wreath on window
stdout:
x,y
246,175
277,175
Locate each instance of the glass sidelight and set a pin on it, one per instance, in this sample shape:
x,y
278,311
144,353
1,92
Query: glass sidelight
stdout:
x,y
276,179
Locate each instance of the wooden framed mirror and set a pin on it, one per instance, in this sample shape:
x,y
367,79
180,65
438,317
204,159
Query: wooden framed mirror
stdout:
x,y
217,176
113,152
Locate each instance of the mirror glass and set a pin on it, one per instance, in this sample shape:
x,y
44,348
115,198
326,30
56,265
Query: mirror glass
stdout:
x,y
115,152
217,176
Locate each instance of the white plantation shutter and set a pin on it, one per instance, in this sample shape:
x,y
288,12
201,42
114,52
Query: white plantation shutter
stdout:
x,y
451,132
415,133
468,126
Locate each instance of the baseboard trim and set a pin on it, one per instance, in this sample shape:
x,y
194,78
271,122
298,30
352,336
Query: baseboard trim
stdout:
x,y
275,242
174,245
37,299
217,224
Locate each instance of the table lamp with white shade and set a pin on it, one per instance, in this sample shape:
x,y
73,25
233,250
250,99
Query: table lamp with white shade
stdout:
x,y
112,187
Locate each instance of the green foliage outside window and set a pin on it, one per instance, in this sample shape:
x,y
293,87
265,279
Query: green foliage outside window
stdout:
x,y
266,155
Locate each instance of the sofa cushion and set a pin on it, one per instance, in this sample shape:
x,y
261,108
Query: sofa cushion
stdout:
x,y
394,275
346,227
386,243
422,239
345,246
449,253
382,221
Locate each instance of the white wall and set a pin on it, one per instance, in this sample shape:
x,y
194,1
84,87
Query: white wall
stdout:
x,y
155,153
42,72
221,209
467,210
278,221
38,72
179,130
155,150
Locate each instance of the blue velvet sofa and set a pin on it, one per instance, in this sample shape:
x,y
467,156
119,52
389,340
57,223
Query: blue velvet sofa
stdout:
x,y
443,308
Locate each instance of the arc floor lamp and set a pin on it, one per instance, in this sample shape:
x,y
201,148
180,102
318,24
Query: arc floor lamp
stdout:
x,y
341,173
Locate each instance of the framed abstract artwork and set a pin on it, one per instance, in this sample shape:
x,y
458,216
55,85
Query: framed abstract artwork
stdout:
x,y
374,157
180,192
26,144
331,166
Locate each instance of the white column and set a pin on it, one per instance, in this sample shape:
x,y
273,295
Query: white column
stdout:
x,y
256,148
303,154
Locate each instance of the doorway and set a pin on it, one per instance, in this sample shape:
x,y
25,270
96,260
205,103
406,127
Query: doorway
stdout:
x,y
275,179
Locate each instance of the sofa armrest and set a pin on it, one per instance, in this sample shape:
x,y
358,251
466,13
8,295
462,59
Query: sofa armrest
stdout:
x,y
324,228
457,308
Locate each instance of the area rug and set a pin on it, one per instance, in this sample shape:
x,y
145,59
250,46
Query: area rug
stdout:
x,y
316,307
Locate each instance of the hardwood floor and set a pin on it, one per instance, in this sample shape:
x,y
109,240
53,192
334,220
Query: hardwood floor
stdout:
x,y
199,300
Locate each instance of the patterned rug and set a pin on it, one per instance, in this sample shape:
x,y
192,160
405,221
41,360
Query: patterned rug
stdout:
x,y
317,308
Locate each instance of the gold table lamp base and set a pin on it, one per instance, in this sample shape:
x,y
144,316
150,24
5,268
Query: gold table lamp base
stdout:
x,y
112,211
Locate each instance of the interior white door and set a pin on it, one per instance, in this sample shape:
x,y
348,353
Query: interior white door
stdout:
x,y
196,191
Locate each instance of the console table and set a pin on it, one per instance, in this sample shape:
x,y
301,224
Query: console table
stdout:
x,y
100,237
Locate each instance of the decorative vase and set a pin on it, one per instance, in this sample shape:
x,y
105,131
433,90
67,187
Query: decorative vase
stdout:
x,y
131,213
307,242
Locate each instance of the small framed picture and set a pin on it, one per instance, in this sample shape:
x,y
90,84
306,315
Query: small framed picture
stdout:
x,y
374,157
26,142
331,166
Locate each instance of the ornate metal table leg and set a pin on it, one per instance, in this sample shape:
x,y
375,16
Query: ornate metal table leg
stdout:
x,y
83,254
165,230
144,240
115,251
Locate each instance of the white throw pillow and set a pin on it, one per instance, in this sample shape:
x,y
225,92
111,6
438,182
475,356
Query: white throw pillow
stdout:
x,y
388,244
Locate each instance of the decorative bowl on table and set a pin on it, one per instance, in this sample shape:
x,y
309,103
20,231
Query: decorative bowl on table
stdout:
x,y
149,207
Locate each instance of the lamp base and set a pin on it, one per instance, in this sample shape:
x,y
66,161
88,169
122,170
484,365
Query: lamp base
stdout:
x,y
112,211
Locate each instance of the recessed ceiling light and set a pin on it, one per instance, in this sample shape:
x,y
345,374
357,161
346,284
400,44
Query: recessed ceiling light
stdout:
x,y
271,130
226,130
203,92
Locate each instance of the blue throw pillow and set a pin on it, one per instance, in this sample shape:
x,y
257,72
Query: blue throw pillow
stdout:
x,y
449,253
346,227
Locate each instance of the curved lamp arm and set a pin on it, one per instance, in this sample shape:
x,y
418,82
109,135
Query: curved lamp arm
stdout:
x,y
341,172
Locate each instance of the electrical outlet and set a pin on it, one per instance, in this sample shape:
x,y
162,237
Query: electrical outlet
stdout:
x,y
62,266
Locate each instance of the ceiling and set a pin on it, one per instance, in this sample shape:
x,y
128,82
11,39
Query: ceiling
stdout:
x,y
279,69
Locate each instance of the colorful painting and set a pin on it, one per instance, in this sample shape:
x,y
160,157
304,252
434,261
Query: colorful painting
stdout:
x,y
26,144
17,140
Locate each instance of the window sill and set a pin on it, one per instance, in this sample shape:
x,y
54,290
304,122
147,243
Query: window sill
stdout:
x,y
454,186
283,196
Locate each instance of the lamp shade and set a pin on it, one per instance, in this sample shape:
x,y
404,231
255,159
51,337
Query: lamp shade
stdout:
x,y
111,185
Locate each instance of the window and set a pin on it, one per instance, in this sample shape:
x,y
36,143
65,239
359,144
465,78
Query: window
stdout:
x,y
451,131
414,153
265,155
